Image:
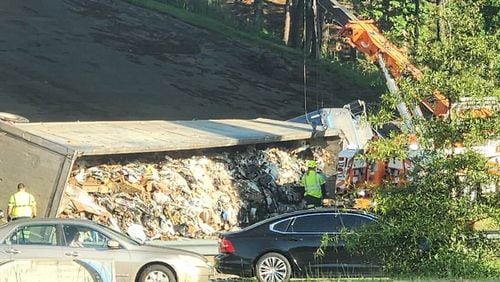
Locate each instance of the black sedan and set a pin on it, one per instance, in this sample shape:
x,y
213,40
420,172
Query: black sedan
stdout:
x,y
286,246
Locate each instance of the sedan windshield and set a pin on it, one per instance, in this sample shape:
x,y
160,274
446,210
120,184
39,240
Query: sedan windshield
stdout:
x,y
121,236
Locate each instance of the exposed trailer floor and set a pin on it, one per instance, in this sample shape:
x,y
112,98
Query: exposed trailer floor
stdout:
x,y
122,137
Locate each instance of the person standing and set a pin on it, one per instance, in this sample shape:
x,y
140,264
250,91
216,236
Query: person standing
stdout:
x,y
314,185
21,205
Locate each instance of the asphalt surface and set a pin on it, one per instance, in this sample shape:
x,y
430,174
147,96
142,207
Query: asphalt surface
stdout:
x,y
67,60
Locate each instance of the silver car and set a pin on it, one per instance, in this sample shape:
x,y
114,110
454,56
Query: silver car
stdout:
x,y
90,244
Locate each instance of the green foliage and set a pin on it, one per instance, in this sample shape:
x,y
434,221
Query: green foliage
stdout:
x,y
466,131
425,228
401,20
356,74
491,13
383,149
428,225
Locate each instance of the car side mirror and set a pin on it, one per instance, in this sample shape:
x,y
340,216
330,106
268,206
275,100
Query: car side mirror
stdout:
x,y
113,244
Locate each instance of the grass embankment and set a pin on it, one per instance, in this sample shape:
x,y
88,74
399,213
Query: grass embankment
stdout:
x,y
348,71
212,25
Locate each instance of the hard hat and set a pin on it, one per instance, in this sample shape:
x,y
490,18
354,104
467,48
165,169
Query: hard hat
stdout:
x,y
311,164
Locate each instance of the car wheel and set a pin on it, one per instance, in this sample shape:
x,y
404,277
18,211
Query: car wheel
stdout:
x,y
273,267
157,273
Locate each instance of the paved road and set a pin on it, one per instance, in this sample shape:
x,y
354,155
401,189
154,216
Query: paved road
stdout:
x,y
67,60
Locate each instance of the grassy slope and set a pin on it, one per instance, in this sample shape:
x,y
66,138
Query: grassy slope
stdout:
x,y
347,71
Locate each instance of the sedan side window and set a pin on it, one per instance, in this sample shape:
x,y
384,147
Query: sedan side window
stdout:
x,y
316,223
354,222
84,237
280,226
33,235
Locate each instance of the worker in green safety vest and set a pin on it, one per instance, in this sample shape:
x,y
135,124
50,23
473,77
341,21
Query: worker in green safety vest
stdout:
x,y
314,186
22,204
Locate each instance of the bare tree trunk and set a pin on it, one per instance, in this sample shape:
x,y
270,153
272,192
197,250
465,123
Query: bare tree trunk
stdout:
x,y
286,25
317,27
258,4
309,29
297,23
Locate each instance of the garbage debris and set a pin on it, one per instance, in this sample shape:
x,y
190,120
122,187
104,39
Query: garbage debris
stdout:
x,y
194,197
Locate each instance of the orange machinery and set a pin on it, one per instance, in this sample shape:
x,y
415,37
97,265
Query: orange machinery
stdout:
x,y
363,35
367,39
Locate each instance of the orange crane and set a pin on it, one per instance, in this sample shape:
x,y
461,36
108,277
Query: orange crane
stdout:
x,y
367,39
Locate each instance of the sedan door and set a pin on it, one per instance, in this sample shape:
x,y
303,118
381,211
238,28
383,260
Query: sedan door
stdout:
x,y
90,249
358,263
305,236
33,242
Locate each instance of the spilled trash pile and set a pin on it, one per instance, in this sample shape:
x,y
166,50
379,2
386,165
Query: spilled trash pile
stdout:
x,y
194,197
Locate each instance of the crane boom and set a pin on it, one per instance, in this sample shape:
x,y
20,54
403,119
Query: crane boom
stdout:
x,y
367,38
363,175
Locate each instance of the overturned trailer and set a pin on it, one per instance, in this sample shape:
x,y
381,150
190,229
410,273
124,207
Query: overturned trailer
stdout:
x,y
51,158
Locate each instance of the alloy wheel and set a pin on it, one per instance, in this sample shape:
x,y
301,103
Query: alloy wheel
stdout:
x,y
157,276
273,269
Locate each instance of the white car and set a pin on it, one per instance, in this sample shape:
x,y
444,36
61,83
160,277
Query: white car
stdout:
x,y
96,247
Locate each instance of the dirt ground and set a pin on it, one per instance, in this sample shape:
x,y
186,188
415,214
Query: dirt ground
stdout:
x,y
67,60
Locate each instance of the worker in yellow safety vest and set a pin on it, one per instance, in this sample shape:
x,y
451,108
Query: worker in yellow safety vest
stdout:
x,y
21,205
314,185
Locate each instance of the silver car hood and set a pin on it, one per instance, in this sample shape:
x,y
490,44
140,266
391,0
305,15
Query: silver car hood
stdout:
x,y
150,248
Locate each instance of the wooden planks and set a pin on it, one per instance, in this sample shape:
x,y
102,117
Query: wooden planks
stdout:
x,y
116,137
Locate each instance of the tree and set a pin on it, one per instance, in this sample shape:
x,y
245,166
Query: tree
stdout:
x,y
402,21
286,24
429,226
297,23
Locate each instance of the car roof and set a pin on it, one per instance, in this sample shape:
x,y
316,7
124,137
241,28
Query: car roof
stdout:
x,y
53,221
307,212
323,210
5,228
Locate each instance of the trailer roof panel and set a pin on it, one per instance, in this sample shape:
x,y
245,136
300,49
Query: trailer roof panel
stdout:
x,y
122,137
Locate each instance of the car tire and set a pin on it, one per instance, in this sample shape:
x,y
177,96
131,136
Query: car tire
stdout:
x,y
157,273
273,267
